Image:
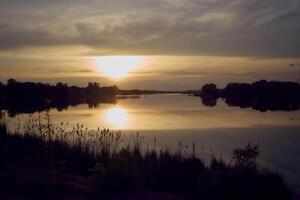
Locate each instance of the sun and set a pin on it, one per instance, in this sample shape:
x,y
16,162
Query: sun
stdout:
x,y
117,67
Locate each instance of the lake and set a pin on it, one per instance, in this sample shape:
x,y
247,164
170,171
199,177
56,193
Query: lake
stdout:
x,y
174,118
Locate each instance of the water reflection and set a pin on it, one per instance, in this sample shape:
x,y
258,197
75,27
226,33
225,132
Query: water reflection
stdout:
x,y
117,117
166,112
259,104
174,118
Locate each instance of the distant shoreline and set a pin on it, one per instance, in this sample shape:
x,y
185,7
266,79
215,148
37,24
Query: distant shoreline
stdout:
x,y
29,97
261,95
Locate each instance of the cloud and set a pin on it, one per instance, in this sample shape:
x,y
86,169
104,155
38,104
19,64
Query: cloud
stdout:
x,y
256,28
294,65
68,71
195,73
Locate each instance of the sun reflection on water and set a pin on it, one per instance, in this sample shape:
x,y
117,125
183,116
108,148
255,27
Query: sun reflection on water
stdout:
x,y
117,117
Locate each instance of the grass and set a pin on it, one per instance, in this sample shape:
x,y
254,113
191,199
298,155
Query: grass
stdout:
x,y
109,165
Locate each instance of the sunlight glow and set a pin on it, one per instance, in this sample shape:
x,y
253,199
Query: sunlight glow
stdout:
x,y
117,67
117,117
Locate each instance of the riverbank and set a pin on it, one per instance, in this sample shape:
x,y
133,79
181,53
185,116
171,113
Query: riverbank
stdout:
x,y
40,163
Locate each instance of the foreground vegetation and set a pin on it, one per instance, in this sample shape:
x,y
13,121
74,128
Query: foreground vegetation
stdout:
x,y
45,162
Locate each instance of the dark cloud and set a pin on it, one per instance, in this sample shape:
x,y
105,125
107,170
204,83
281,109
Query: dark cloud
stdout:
x,y
195,73
66,71
294,65
268,28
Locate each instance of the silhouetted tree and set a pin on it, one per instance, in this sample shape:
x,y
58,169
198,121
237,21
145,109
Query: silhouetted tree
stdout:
x,y
29,97
210,90
261,95
93,85
2,87
209,94
246,157
61,85
11,82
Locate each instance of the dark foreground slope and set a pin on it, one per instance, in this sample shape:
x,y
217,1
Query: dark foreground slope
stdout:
x,y
40,167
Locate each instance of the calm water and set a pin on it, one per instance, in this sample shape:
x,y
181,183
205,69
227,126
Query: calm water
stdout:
x,y
219,129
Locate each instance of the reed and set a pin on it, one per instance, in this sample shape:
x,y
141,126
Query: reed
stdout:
x,y
112,164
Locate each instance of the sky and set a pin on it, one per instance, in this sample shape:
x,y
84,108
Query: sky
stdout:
x,y
181,44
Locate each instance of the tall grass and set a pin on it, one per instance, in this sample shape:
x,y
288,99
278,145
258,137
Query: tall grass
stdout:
x,y
113,165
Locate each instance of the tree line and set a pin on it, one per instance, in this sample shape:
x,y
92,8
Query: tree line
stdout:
x,y
261,95
29,96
